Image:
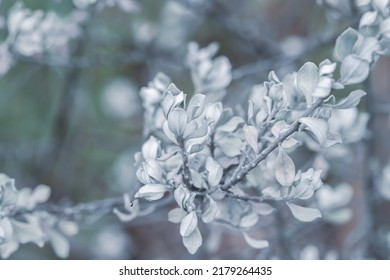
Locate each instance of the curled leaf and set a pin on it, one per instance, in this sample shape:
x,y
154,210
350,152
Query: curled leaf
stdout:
x,y
188,224
304,214
251,136
284,169
318,127
151,191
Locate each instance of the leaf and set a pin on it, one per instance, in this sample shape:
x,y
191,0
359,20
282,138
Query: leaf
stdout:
x,y
367,48
196,106
176,215
345,43
215,172
304,214
150,148
318,127
352,100
8,192
284,169
188,224
255,243
232,124
249,220
60,244
263,209
168,133
307,80
199,132
193,241
353,70
151,191
177,121
324,87
385,28
209,215
251,136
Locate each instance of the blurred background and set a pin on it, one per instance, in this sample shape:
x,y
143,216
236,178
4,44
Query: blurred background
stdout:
x,y
71,116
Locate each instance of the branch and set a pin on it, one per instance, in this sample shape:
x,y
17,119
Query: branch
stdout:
x,y
263,155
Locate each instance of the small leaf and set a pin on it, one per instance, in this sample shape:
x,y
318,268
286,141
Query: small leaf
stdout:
x,y
284,169
324,87
196,106
199,132
352,100
188,224
209,215
345,43
251,136
318,127
232,124
176,215
169,133
60,244
263,209
353,70
368,18
193,241
255,243
215,172
307,80
385,28
249,220
304,214
151,191
177,121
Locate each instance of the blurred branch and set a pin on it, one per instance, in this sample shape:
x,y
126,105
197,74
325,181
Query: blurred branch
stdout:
x,y
311,45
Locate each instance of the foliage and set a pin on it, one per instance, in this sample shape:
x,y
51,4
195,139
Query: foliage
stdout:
x,y
208,163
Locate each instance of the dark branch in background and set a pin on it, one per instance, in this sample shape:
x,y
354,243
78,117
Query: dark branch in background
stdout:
x,y
311,45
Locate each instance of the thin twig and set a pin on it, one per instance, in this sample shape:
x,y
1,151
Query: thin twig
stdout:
x,y
263,155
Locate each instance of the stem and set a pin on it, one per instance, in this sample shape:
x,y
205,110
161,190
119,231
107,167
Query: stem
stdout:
x,y
187,179
263,155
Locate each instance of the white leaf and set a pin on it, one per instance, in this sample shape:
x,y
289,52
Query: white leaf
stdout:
x,y
60,244
353,70
176,215
193,241
318,127
169,133
215,172
188,224
263,209
352,100
150,148
209,215
251,136
385,28
255,243
307,80
151,191
232,124
284,169
177,121
304,214
249,220
196,106
345,43
8,192
324,87
29,231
